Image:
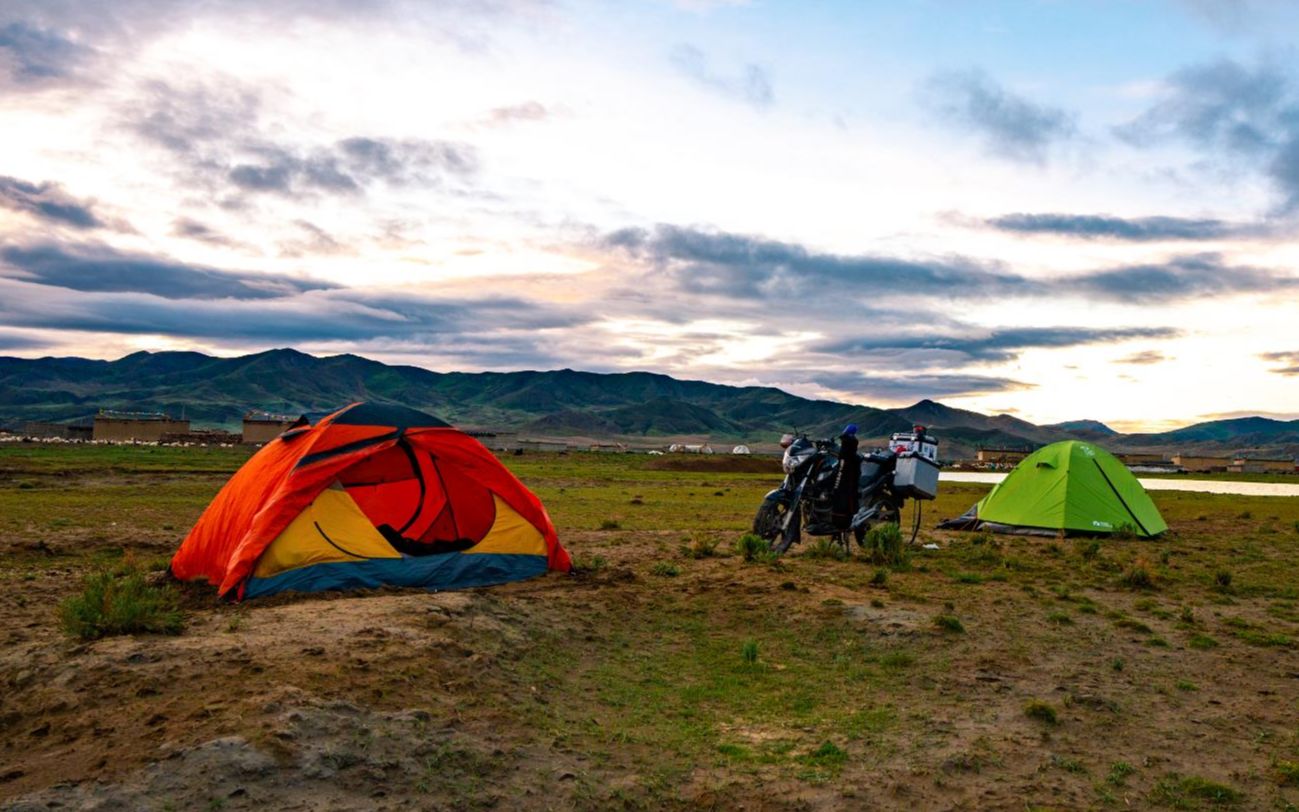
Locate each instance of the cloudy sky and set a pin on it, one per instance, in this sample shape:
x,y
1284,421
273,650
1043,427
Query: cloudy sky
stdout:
x,y
1057,209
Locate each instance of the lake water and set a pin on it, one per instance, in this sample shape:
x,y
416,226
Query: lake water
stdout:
x,y
1198,485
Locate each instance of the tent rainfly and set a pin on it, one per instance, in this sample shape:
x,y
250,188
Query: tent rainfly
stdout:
x,y
370,495
1070,486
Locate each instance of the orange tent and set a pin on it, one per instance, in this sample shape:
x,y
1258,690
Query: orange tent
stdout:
x,y
370,495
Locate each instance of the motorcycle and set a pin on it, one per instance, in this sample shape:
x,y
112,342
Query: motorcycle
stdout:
x,y
805,502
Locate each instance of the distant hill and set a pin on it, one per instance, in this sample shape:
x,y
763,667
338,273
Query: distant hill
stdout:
x,y
216,392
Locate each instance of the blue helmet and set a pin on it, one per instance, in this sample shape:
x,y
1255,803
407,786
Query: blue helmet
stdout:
x,y
850,429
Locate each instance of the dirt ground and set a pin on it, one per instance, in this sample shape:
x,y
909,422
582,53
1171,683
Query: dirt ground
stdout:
x,y
628,685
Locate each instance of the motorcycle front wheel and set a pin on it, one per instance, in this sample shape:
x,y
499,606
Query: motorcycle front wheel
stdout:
x,y
783,541
769,519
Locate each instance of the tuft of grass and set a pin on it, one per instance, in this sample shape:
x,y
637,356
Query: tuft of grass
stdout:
x,y
1138,575
1118,774
751,547
112,604
897,660
1088,549
593,564
949,623
610,524
749,652
880,578
665,569
1222,580
883,544
1116,664
1041,711
1134,625
1187,685
1059,619
1182,791
826,547
1202,642
827,755
1287,773
700,547
968,578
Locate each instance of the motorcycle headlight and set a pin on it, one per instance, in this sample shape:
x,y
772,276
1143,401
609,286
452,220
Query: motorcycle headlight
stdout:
x,y
786,463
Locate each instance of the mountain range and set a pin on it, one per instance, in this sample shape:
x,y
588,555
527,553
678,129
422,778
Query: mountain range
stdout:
x,y
216,392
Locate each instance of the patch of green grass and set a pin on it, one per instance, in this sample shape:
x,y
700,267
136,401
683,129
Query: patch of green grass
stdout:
x,y
700,547
1188,792
665,569
1134,625
1058,618
1041,711
735,751
1287,773
1187,685
610,524
111,604
595,563
749,652
751,547
949,623
826,548
880,577
897,660
968,578
1069,765
1222,579
1202,642
1119,772
1139,575
829,752
884,546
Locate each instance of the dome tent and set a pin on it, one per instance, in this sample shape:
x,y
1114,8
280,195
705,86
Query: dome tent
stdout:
x,y
1069,486
367,496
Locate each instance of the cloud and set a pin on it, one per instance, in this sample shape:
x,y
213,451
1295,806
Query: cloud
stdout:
x,y
751,85
1135,229
1144,357
700,261
514,113
992,347
217,131
98,268
47,202
1012,127
1181,277
15,340
1233,112
1289,362
911,388
200,232
31,56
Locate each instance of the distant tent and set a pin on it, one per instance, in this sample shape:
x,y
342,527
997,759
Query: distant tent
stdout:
x,y
370,495
741,449
1071,486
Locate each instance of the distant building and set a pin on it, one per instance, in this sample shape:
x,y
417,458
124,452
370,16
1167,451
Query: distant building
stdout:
x,y
1201,464
1243,465
127,427
262,427
1142,459
609,448
1002,456
77,430
690,448
542,445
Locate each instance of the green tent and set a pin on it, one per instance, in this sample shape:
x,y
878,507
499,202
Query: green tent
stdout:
x,y
1071,486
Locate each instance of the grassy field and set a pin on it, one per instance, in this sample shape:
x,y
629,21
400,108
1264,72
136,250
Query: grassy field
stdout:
x,y
993,672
